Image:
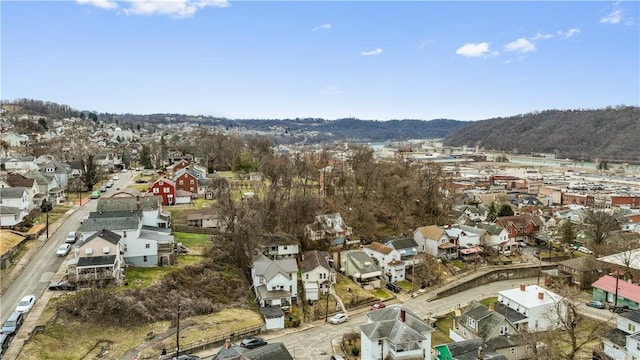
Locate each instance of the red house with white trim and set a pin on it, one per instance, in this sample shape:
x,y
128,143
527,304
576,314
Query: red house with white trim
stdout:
x,y
164,188
182,164
186,181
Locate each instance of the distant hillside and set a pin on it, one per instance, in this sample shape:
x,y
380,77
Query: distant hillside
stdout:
x,y
611,134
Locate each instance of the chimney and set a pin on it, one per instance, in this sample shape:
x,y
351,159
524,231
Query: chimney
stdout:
x,y
540,295
402,315
492,307
523,287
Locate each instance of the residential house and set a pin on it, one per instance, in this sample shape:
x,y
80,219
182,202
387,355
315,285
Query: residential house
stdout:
x,y
406,247
17,180
582,271
434,241
61,171
150,206
395,333
48,186
186,181
205,218
266,352
627,261
164,188
389,260
521,227
15,140
627,294
21,163
466,350
495,234
275,282
327,227
143,246
179,165
539,307
98,260
317,274
14,206
359,267
277,248
623,342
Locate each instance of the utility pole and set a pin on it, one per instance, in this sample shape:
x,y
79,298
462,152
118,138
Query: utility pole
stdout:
x,y
178,333
326,311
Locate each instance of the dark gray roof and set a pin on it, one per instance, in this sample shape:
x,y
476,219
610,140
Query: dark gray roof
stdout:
x,y
510,314
105,234
633,315
388,323
477,311
313,259
122,223
114,214
9,210
402,243
128,203
502,341
271,312
617,337
157,229
231,353
463,347
96,260
12,192
273,351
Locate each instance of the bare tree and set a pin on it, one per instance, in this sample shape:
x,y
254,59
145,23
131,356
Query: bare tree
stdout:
x,y
599,225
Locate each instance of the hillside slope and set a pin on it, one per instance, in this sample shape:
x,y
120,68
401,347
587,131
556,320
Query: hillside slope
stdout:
x,y
611,134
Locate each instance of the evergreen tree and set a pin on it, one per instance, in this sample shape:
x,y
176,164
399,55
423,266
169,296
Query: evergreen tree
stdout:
x,y
505,210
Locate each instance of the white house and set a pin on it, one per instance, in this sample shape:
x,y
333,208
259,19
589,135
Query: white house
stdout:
x,y
280,251
623,342
495,234
541,309
14,205
17,180
433,240
327,226
22,163
149,206
393,268
15,140
317,274
395,333
275,282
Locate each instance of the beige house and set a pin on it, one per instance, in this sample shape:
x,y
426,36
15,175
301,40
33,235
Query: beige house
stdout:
x,y
99,261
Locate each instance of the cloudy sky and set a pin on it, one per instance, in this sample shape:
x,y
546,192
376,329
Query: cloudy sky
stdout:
x,y
372,60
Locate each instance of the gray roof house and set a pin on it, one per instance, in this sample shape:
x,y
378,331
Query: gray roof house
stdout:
x,y
395,333
274,281
360,267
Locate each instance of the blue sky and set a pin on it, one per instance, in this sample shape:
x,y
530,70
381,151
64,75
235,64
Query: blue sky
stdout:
x,y
372,60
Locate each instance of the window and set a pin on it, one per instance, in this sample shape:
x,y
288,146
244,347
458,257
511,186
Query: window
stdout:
x,y
166,190
180,182
632,328
512,350
124,233
306,276
504,329
156,190
88,251
147,246
105,250
144,258
192,181
472,323
125,247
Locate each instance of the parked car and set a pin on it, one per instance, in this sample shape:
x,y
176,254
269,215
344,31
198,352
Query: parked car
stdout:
x,y
103,188
378,305
109,184
618,309
64,285
338,318
584,250
95,194
26,303
63,250
116,178
141,181
394,287
13,323
254,342
595,304
72,237
5,339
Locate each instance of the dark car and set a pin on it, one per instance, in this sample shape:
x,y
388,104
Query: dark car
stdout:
x,y
618,309
252,343
64,285
141,181
595,304
13,323
5,339
394,287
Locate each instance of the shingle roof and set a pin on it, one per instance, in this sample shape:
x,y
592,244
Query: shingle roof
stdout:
x,y
381,248
269,268
105,234
17,180
12,192
116,223
96,260
432,232
128,203
313,259
633,315
402,243
9,210
389,323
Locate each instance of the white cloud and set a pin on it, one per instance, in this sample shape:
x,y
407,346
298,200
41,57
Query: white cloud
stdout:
x,y
322,27
569,33
375,52
613,18
521,45
175,8
103,4
542,36
473,50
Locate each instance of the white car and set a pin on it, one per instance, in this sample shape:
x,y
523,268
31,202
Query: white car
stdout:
x,y
115,178
338,318
584,250
72,236
25,305
63,250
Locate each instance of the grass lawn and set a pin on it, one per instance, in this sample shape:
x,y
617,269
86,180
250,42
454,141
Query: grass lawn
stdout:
x,y
380,294
356,294
55,214
83,340
196,243
441,335
488,301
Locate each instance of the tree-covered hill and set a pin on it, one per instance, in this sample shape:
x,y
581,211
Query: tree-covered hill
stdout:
x,y
611,134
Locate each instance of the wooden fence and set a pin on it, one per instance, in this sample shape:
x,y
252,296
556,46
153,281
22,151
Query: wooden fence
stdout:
x,y
194,230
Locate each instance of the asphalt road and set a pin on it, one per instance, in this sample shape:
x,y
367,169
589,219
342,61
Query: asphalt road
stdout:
x,y
35,277
315,343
